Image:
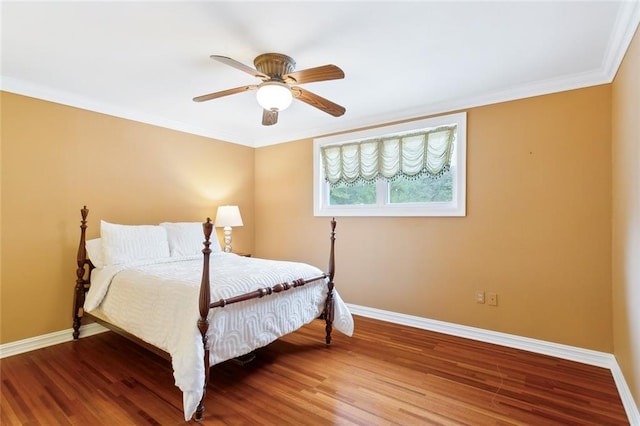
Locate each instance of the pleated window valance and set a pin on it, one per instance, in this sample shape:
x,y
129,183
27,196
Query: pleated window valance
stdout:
x,y
389,157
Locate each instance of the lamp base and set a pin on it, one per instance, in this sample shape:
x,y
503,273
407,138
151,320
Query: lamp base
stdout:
x,y
227,239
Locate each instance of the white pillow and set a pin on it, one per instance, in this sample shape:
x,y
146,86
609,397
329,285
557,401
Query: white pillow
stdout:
x,y
94,251
186,238
130,243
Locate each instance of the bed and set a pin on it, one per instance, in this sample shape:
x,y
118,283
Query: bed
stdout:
x,y
158,286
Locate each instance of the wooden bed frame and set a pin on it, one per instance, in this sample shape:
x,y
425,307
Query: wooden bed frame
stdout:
x,y
83,282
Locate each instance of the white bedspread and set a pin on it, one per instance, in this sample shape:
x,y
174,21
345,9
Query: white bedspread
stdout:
x,y
158,302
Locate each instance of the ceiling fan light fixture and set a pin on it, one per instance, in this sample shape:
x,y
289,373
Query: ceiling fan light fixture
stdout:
x,y
274,96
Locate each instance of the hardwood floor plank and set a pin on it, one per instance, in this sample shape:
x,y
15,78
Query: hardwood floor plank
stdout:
x,y
385,374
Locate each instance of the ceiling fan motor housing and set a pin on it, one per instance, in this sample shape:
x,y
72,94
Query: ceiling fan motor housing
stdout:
x,y
275,65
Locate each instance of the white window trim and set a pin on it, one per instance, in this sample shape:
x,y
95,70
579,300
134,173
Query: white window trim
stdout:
x,y
457,207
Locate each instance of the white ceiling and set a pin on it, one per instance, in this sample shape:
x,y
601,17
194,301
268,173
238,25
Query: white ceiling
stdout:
x,y
145,61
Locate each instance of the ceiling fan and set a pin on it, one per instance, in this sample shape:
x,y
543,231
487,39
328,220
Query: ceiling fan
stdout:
x,y
278,87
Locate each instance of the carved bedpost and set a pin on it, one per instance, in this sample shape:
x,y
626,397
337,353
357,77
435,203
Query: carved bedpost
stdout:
x,y
204,304
78,299
328,309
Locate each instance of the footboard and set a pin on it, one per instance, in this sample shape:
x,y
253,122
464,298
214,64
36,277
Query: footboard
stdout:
x,y
205,304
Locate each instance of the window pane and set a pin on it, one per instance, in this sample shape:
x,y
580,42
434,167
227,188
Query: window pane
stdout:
x,y
360,193
422,190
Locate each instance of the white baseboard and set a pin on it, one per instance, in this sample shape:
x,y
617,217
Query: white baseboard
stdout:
x,y
38,342
571,353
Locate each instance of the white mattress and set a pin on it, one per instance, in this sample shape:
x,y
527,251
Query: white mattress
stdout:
x,y
158,302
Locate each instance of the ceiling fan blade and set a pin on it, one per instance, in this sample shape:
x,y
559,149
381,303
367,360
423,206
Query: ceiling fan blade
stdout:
x,y
269,118
240,66
325,72
318,102
223,93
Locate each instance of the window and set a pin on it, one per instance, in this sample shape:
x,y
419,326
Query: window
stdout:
x,y
410,169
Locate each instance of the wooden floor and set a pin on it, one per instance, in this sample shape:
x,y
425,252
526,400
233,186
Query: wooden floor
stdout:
x,y
386,374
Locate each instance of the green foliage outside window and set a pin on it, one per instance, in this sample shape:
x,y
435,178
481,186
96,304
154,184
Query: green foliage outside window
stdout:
x,y
360,193
424,189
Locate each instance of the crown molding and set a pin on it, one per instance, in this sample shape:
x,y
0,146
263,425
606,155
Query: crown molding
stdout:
x,y
25,88
625,27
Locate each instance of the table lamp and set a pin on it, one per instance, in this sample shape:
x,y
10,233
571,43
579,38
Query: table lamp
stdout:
x,y
228,217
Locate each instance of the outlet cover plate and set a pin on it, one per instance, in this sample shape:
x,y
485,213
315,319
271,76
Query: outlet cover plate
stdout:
x,y
492,299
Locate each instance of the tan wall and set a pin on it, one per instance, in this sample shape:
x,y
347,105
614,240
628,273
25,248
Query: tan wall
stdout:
x,y
56,158
626,217
537,229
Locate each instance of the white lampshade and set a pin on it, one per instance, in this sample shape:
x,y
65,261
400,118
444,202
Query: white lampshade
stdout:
x,y
228,216
273,95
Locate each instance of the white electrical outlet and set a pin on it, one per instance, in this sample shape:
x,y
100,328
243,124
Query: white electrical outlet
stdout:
x,y
479,296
